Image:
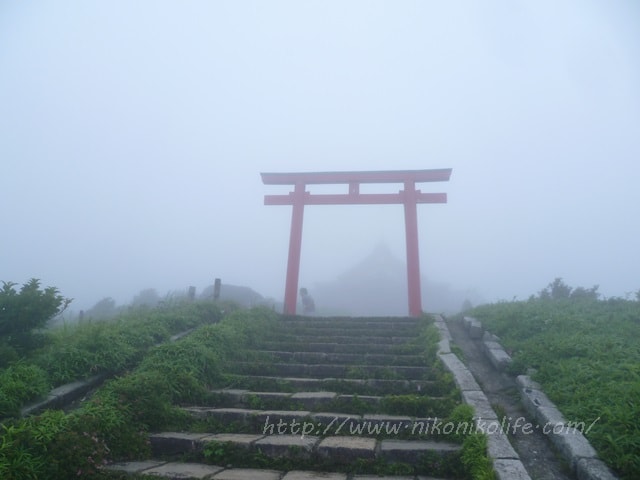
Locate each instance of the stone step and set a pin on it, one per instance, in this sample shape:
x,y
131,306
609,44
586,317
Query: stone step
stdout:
x,y
346,358
320,424
368,386
347,321
315,370
358,348
341,449
196,471
371,340
306,400
353,330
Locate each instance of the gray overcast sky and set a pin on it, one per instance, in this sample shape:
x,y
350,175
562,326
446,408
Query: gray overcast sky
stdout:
x,y
132,135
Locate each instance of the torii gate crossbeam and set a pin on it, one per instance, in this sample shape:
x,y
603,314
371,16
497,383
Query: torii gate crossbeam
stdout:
x,y
409,197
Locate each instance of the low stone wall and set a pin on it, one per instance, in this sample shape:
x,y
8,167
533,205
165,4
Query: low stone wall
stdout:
x,y
567,437
506,461
63,395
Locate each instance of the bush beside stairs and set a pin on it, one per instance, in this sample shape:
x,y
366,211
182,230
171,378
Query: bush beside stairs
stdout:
x,y
330,398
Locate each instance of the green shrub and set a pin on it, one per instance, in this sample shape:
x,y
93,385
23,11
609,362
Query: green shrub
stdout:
x,y
23,312
19,383
474,457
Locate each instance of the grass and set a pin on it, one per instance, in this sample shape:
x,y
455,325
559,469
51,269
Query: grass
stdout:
x,y
154,380
585,354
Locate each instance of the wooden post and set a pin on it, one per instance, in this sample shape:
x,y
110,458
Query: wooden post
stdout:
x,y
216,288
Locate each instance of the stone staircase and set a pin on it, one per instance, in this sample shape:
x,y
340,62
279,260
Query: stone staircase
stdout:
x,y
331,398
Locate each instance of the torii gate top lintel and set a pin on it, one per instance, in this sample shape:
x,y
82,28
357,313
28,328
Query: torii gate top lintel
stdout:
x,y
409,197
385,176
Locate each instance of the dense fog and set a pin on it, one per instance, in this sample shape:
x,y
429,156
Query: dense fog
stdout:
x,y
133,135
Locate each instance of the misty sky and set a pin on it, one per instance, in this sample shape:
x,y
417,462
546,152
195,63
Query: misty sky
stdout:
x,y
133,134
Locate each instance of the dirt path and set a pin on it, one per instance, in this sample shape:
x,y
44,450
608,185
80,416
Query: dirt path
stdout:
x,y
536,452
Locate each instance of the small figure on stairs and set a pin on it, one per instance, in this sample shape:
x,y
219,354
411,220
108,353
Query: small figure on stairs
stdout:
x,y
308,306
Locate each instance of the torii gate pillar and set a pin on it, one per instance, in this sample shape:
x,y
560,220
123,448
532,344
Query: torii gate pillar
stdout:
x,y
409,197
295,247
413,253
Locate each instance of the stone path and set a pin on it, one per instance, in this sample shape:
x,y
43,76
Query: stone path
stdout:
x,y
536,453
320,407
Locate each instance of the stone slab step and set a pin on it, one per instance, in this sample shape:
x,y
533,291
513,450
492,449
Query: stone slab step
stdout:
x,y
312,400
371,340
305,400
174,470
340,448
341,320
366,348
301,422
351,385
346,358
194,471
409,331
333,370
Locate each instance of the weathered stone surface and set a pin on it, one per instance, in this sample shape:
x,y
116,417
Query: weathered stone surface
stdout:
x,y
507,469
349,358
343,449
573,446
568,439
499,358
241,439
411,451
480,403
331,422
443,329
466,321
248,474
290,446
490,344
474,327
368,399
62,395
169,443
593,469
319,370
498,445
246,397
524,381
228,415
313,399
51,401
391,424
377,477
279,422
231,391
300,475
533,399
444,346
175,470
490,337
462,376
134,467
549,417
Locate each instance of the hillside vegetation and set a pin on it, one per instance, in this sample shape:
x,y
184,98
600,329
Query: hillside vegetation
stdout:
x,y
586,355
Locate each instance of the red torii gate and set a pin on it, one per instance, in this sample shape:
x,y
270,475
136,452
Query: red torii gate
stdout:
x,y
409,197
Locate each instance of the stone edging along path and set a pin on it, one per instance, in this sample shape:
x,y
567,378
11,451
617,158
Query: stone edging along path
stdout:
x,y
567,438
506,461
63,395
